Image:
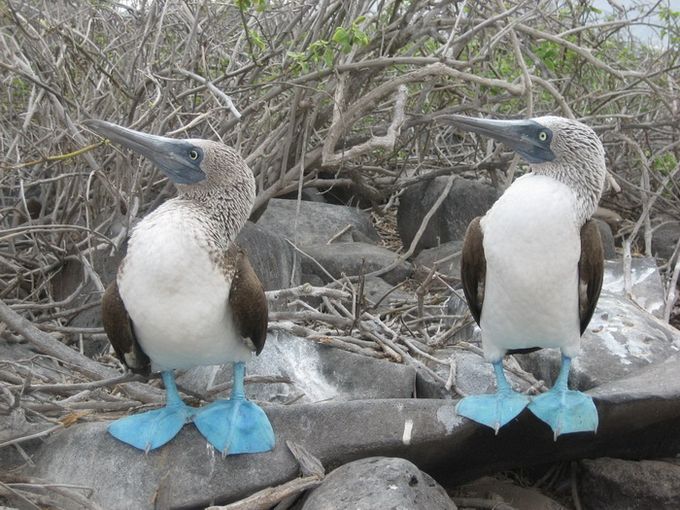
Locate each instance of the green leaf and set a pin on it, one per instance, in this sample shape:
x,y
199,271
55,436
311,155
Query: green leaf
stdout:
x,y
328,57
361,37
341,36
243,5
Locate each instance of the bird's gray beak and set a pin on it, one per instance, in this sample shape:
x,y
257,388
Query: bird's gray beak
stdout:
x,y
523,136
178,159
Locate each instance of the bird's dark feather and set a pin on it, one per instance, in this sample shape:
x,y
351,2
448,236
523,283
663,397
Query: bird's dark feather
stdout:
x,y
247,300
118,327
473,268
590,271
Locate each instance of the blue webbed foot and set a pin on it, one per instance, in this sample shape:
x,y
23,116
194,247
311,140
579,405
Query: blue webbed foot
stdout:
x,y
236,425
497,409
152,429
565,410
493,410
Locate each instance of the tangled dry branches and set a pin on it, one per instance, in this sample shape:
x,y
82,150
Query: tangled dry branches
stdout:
x,y
346,97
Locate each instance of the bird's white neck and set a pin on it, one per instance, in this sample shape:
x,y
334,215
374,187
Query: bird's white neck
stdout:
x,y
586,184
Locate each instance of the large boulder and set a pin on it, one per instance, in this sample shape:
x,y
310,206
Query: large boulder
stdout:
x,y
316,373
664,240
607,237
623,335
646,286
316,222
620,340
378,482
639,417
447,256
352,259
466,200
473,375
384,296
271,256
616,484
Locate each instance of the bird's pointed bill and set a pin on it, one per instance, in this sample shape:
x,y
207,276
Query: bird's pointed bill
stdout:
x,y
523,136
178,159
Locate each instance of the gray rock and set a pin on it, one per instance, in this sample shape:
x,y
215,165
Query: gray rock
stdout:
x,y
473,375
317,222
378,292
515,496
72,274
308,194
615,484
621,339
350,258
457,308
318,373
272,258
611,218
639,417
647,287
449,253
622,336
378,482
607,239
466,200
664,240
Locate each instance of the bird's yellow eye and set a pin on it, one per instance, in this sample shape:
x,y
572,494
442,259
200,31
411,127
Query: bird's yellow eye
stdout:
x,y
193,154
543,136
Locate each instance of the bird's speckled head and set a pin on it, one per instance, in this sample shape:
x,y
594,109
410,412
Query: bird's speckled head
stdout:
x,y
564,149
209,174
224,172
579,158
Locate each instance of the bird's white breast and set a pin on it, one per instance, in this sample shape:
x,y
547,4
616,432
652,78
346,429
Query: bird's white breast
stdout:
x,y
532,247
175,295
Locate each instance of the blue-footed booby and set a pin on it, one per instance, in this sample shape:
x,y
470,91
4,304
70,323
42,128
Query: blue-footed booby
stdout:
x,y
532,266
186,295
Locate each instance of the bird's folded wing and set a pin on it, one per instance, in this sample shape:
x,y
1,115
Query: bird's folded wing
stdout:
x,y
247,300
118,327
473,267
591,272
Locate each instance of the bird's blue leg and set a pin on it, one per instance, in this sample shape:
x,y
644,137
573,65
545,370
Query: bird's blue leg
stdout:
x,y
152,429
563,409
497,409
236,425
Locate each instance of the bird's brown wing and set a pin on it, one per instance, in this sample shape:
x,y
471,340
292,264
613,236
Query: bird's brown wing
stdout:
x,y
473,268
247,300
118,327
590,271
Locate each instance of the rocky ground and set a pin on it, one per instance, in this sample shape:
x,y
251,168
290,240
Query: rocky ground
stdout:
x,y
370,345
